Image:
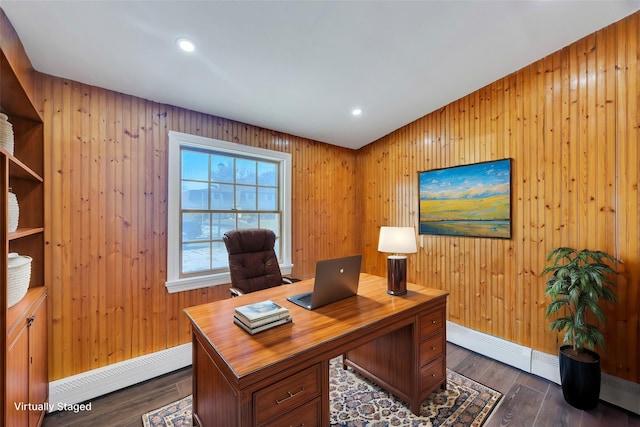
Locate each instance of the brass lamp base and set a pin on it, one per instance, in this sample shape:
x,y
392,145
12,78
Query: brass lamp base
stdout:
x,y
397,275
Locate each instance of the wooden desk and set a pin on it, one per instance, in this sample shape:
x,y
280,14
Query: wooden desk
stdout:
x,y
281,376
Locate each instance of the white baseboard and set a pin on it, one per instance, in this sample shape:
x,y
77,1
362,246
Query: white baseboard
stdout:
x,y
504,351
545,365
617,391
91,384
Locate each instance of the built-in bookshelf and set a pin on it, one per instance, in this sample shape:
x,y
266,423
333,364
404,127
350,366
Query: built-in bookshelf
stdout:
x,y
24,341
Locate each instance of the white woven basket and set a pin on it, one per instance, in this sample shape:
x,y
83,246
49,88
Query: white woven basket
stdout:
x,y
6,134
13,211
18,277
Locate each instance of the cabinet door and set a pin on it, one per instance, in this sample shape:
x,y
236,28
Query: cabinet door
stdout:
x,y
18,379
38,380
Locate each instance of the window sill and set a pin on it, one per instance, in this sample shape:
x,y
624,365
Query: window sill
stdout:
x,y
191,283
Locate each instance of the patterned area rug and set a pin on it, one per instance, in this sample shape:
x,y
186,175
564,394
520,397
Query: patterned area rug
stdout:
x,y
356,402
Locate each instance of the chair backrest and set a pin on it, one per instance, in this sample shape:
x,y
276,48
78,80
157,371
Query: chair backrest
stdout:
x,y
253,263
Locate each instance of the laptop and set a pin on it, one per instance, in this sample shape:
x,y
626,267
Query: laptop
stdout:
x,y
335,279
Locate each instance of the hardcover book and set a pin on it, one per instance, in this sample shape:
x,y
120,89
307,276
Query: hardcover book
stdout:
x,y
260,313
263,327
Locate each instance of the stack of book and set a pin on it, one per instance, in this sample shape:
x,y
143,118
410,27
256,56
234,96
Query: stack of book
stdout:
x,y
260,316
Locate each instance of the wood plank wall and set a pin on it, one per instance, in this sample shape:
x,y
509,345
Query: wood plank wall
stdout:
x,y
569,121
106,219
570,124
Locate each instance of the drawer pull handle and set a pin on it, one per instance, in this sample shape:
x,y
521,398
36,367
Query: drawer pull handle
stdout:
x,y
433,322
433,347
290,395
433,375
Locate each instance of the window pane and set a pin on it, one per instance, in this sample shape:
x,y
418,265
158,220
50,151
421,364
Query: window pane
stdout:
x,y
222,197
270,222
195,226
245,171
267,174
194,195
221,223
221,168
247,220
267,200
196,257
195,165
245,198
276,248
220,256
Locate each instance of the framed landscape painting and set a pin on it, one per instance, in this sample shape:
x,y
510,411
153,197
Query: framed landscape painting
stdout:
x,y
470,200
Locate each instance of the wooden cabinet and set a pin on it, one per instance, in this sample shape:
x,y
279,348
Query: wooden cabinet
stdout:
x,y
418,347
23,352
27,381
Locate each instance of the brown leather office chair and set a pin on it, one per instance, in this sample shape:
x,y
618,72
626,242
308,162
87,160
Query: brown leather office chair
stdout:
x,y
252,261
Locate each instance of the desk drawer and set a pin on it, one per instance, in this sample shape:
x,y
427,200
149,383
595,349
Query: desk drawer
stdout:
x,y
431,322
308,415
281,397
433,374
430,349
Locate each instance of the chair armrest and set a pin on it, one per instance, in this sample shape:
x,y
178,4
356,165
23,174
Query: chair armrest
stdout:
x,y
235,292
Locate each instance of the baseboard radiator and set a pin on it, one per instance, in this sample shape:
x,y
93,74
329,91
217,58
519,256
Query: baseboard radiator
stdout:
x,y
97,382
617,391
89,385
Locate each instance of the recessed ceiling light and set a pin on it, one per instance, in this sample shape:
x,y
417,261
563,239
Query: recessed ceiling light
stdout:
x,y
356,111
186,44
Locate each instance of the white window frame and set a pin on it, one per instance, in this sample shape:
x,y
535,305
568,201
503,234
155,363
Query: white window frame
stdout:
x,y
177,140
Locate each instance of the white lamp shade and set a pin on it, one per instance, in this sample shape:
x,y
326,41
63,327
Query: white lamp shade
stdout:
x,y
398,240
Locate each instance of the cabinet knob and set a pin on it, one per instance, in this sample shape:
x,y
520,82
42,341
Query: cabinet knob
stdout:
x,y
30,320
433,322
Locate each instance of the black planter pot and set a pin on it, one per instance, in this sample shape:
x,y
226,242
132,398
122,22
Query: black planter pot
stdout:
x,y
580,380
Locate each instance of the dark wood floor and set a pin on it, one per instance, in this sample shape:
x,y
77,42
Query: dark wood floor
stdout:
x,y
528,400
125,407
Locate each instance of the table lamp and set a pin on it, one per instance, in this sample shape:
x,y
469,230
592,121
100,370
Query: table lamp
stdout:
x,y
397,240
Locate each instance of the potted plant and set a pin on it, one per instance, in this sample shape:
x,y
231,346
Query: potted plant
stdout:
x,y
577,284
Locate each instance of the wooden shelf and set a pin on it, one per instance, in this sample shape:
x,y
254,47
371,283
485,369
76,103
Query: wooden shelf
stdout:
x,y
19,170
24,232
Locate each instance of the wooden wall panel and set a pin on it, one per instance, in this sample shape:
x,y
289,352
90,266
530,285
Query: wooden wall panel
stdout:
x,y
107,217
569,121
570,124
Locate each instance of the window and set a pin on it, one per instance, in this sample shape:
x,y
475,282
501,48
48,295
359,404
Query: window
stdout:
x,y
215,186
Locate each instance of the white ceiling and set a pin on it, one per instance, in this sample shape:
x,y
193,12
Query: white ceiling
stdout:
x,y
300,67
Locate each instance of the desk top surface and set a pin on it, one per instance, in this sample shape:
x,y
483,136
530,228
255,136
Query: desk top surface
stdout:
x,y
323,330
